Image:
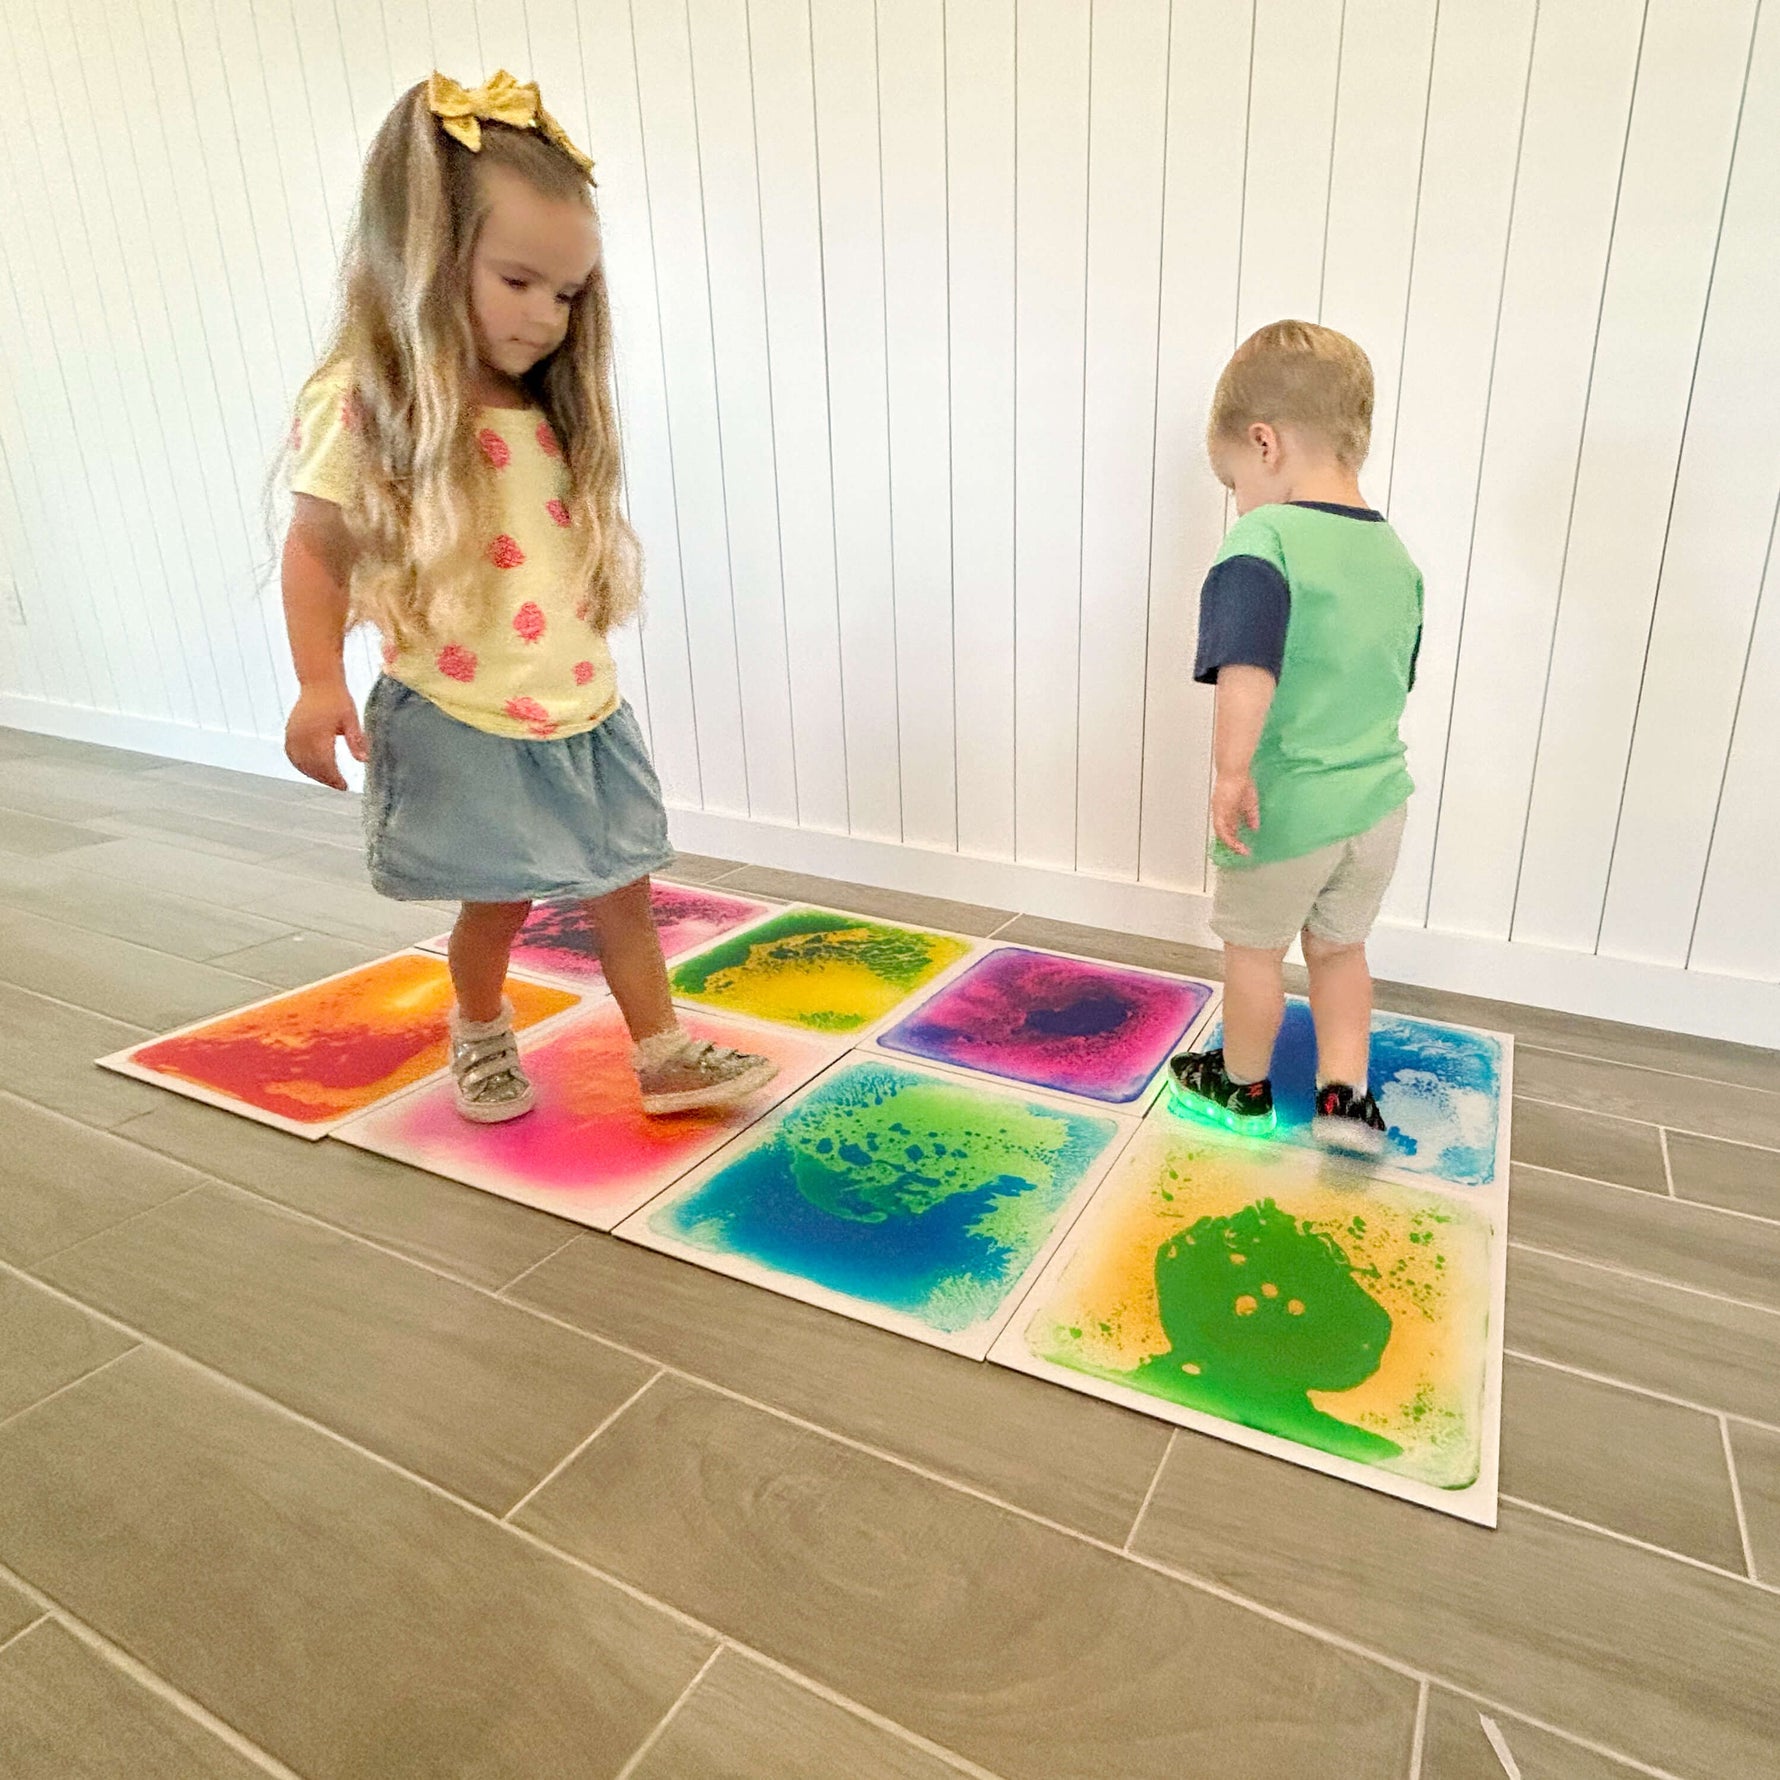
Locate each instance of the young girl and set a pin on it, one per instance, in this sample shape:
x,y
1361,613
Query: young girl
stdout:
x,y
455,467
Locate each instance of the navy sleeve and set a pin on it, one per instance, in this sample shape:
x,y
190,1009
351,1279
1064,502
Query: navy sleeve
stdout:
x,y
1243,609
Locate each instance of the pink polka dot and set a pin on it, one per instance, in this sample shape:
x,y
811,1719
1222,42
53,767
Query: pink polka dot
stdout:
x,y
494,448
583,609
504,553
390,652
532,714
558,512
296,435
529,621
456,662
352,411
547,440
583,672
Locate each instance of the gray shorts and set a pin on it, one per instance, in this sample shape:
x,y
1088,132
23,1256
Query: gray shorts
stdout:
x,y
1334,893
454,814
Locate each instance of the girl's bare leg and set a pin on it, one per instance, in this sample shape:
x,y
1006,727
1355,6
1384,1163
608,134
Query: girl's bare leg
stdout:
x,y
480,945
675,1074
630,951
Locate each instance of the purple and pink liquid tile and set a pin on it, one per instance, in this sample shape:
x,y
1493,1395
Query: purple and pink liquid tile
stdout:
x,y
1069,1024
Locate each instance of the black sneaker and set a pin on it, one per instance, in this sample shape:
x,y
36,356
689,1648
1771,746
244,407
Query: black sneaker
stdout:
x,y
1348,1121
1202,1088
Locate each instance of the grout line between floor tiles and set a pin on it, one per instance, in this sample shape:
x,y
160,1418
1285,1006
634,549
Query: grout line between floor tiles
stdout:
x,y
580,1230
1002,928
1575,1738
865,1714
1655,1279
135,1217
69,1384
1662,1140
668,1717
1619,1538
1683,1075
1421,1732
1626,1119
74,1007
580,1446
1740,1143
1493,1735
147,1678
1641,1390
292,882
1143,1507
1649,1197
24,1631
1730,1465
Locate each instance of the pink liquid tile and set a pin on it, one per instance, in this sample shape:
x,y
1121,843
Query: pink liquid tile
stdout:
x,y
587,1151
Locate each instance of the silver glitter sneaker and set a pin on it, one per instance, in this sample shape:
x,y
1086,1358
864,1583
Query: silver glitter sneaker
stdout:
x,y
700,1074
491,1086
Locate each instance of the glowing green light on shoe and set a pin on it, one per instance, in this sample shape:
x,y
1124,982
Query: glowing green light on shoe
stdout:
x,y
1208,1112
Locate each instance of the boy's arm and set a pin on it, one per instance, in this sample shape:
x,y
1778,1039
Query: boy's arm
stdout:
x,y
1245,694
317,572
1244,609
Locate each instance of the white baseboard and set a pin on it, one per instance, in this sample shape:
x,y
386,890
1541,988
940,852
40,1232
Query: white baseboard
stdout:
x,y
1737,1008
152,735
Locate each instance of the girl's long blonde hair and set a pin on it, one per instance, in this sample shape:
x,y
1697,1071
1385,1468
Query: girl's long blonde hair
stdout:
x,y
405,348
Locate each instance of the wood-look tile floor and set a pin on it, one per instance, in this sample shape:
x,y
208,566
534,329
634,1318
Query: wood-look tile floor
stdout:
x,y
312,1464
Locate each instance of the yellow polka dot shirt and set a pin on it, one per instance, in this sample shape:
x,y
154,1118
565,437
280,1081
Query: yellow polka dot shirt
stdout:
x,y
530,665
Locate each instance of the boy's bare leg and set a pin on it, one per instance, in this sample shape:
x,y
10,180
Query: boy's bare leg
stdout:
x,y
1254,1005
480,945
1341,1006
630,952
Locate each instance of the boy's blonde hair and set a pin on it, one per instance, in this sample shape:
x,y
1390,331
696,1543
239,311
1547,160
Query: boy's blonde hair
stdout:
x,y
406,349
1297,374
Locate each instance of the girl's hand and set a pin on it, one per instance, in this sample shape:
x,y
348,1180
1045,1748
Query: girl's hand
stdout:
x,y
321,716
1234,801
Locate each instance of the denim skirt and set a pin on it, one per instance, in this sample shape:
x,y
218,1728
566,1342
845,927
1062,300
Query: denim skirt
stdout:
x,y
454,814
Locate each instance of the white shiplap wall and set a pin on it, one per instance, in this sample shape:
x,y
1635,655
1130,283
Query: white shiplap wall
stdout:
x,y
920,304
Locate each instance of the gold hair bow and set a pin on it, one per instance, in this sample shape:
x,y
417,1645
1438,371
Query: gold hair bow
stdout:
x,y
503,100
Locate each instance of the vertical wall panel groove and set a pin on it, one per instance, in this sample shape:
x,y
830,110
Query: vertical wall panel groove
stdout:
x,y
1684,116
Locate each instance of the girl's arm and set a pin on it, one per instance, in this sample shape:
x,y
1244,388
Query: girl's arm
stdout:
x,y
1244,697
317,571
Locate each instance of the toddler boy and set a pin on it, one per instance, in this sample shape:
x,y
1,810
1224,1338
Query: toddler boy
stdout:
x,y
1309,625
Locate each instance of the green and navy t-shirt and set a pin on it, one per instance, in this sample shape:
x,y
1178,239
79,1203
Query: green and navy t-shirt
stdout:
x,y
1327,600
